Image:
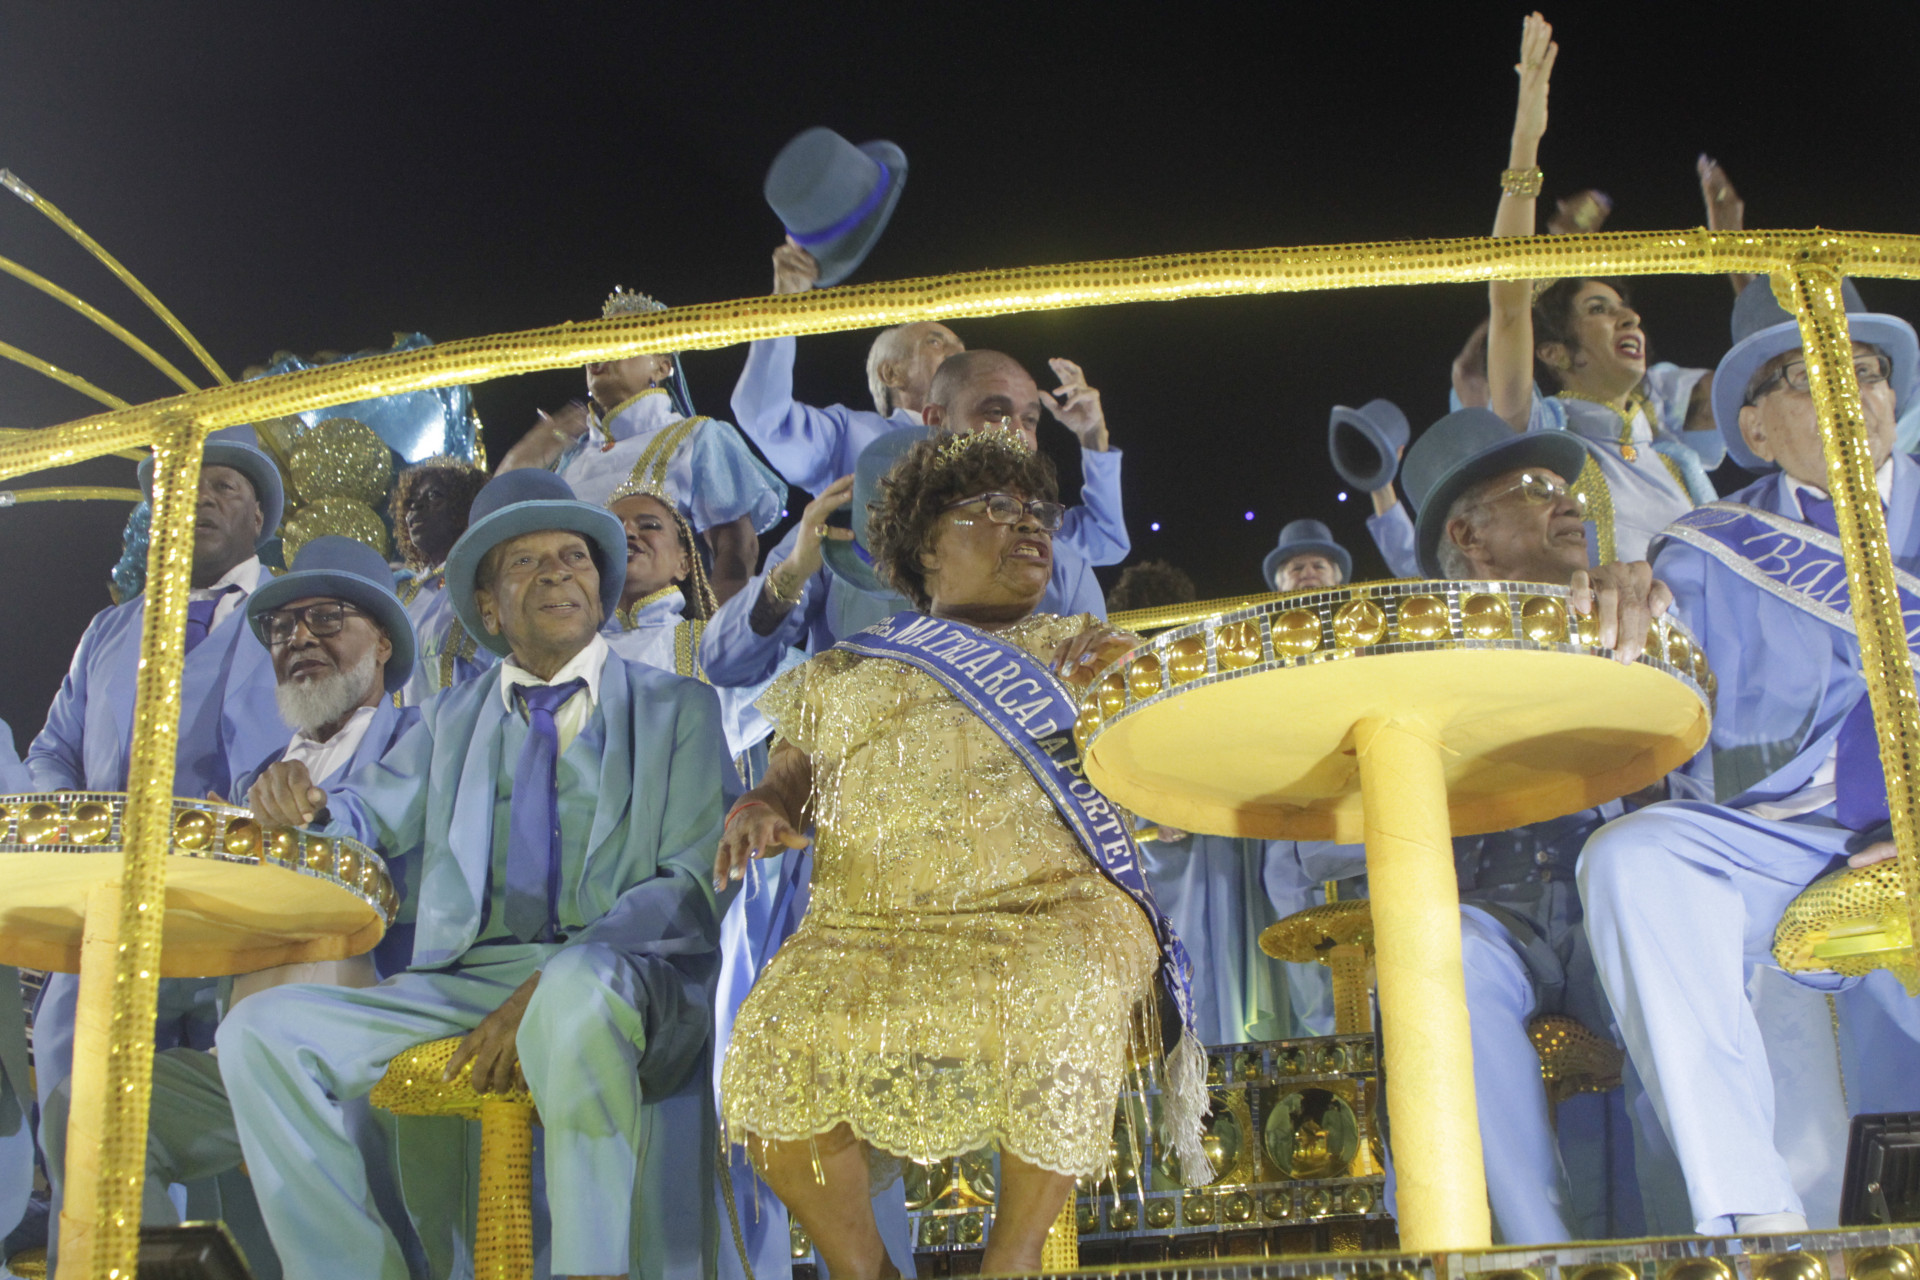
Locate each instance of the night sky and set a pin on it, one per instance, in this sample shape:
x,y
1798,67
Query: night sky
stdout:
x,y
318,176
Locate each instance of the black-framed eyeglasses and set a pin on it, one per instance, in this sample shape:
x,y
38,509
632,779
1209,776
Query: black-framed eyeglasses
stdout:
x,y
1867,370
1004,508
322,620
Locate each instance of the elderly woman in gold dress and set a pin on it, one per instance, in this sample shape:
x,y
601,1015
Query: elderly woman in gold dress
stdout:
x,y
970,971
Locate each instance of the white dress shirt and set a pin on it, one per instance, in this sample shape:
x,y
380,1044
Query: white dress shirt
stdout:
x,y
572,716
246,575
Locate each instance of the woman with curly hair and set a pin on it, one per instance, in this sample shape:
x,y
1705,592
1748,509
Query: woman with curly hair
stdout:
x,y
980,958
429,511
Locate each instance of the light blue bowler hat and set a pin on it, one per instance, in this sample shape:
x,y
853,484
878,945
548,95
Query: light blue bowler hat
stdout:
x,y
1306,538
1366,443
235,447
1762,329
531,501
834,198
343,569
852,562
1464,448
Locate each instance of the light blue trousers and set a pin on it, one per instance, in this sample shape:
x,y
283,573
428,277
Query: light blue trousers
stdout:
x,y
1681,899
1526,1179
292,1054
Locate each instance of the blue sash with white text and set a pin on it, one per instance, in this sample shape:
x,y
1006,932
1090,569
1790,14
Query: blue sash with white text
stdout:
x,y
1033,712
1787,558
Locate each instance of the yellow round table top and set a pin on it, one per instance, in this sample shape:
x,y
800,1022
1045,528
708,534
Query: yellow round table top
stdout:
x,y
237,899
1242,724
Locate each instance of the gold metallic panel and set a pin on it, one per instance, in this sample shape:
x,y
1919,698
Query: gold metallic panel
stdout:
x,y
91,823
1486,617
1187,659
1143,675
1237,645
1423,618
1296,633
1544,620
1358,623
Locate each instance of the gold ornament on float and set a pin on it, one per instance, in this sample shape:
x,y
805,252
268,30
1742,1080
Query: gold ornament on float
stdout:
x,y
335,515
340,458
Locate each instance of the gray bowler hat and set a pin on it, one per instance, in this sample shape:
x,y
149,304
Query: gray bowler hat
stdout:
x,y
1366,443
531,501
343,569
834,198
1304,538
852,562
236,447
1762,329
1464,448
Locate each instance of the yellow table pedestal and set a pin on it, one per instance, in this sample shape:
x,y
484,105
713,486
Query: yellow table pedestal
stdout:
x,y
1399,714
1427,1048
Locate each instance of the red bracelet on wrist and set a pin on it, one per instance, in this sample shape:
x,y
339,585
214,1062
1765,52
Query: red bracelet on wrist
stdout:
x,y
739,805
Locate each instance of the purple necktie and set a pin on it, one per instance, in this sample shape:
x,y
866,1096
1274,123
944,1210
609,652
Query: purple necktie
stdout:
x,y
200,618
533,816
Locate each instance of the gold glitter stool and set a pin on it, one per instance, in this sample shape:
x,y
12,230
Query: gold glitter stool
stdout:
x,y
1061,1249
1853,922
1399,713
237,899
503,1230
1573,1057
1338,935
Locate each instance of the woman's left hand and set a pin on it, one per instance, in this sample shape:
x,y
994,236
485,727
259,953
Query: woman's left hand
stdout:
x,y
1091,649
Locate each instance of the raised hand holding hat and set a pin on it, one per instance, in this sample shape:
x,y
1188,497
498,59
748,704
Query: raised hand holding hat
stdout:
x,y
1366,443
834,198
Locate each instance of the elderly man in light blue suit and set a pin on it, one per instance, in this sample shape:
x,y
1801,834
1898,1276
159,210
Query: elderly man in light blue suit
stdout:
x,y
229,723
562,814
1682,897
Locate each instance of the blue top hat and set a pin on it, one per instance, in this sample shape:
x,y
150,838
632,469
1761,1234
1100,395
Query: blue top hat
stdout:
x,y
235,447
1308,537
1762,329
343,569
1464,448
1366,443
834,198
531,501
851,561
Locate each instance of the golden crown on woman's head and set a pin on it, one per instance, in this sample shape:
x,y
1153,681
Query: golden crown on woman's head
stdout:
x,y
958,445
622,303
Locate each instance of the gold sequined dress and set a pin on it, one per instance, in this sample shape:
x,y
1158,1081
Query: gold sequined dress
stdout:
x,y
964,975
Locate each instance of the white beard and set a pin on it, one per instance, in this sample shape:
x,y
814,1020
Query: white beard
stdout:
x,y
311,704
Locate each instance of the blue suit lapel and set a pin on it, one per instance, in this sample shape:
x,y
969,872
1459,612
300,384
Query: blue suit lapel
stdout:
x,y
473,801
620,716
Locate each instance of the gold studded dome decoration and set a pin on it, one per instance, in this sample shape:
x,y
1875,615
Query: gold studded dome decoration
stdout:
x,y
1307,936
340,515
248,898
1573,1057
1240,724
413,1086
340,458
1852,922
